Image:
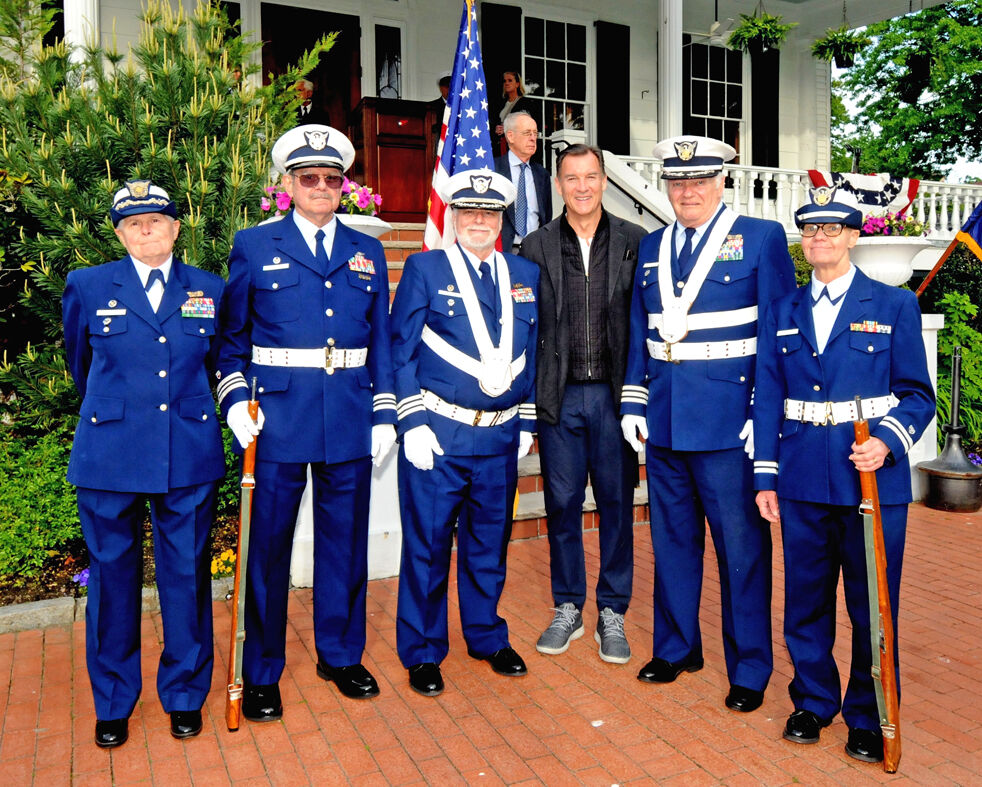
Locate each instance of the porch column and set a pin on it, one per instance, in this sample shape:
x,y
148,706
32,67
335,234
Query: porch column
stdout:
x,y
81,23
669,68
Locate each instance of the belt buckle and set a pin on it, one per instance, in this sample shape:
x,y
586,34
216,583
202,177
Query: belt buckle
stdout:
x,y
668,354
328,357
828,418
478,414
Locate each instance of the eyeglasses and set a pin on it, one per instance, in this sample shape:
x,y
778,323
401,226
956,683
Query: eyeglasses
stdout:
x,y
309,180
830,230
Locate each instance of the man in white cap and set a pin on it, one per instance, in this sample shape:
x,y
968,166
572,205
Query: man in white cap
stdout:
x,y
307,314
463,348
836,338
687,392
140,340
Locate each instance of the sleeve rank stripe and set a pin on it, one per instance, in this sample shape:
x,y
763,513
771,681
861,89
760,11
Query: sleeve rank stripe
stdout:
x,y
234,381
893,424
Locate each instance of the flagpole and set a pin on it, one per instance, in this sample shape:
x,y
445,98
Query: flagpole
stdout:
x,y
947,253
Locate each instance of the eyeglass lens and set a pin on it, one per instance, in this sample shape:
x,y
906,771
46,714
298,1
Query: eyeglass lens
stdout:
x,y
830,230
310,179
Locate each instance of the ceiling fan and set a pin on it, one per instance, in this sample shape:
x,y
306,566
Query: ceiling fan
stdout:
x,y
718,31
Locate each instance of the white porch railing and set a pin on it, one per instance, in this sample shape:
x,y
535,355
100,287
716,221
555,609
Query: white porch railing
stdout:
x,y
771,193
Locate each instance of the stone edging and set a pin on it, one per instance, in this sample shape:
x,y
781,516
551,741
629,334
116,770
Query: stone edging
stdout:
x,y
64,611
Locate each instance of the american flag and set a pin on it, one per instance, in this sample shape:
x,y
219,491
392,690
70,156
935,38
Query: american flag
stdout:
x,y
465,138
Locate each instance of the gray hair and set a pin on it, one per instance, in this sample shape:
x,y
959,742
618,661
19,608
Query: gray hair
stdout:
x,y
512,118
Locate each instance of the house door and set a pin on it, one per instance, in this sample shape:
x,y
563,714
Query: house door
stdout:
x,y
288,32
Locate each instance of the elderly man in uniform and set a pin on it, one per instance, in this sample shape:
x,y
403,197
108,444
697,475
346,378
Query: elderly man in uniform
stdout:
x,y
838,337
308,315
587,258
463,347
140,340
687,391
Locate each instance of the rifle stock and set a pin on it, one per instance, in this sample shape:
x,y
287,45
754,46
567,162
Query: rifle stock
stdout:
x,y
233,697
881,617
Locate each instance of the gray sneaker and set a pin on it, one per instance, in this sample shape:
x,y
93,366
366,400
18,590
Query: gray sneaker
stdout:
x,y
610,636
566,626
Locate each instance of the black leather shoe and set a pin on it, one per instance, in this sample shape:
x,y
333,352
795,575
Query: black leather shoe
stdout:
x,y
744,700
111,733
865,745
661,671
262,703
354,681
504,661
426,679
185,723
803,727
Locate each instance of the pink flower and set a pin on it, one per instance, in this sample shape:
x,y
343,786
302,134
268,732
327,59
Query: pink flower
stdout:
x,y
269,189
378,199
282,200
265,204
346,186
364,200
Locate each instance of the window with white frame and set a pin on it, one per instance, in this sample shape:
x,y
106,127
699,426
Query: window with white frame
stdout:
x,y
555,73
712,96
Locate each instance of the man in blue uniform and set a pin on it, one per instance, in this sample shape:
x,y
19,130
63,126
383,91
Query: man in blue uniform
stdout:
x,y
307,314
587,258
463,347
140,340
687,391
838,337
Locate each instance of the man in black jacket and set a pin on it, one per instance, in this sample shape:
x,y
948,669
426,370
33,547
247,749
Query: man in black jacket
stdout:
x,y
587,257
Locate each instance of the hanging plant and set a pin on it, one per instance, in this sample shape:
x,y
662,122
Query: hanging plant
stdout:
x,y
841,45
759,32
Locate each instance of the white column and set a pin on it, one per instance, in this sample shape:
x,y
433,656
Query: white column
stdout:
x,y
669,68
926,448
81,23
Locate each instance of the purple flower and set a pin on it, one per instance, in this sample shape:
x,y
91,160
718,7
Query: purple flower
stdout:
x,y
364,199
975,459
346,186
81,578
269,189
265,204
378,199
282,200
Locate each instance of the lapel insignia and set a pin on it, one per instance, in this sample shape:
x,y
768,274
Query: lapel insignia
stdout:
x,y
870,326
112,304
195,294
361,264
522,294
198,307
277,260
732,249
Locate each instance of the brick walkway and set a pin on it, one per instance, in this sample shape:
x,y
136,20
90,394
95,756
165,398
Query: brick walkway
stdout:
x,y
573,720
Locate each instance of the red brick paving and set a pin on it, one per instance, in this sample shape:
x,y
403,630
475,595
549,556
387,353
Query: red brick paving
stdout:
x,y
573,720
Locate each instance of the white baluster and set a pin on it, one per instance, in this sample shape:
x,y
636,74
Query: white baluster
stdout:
x,y
932,221
781,205
945,195
736,203
751,198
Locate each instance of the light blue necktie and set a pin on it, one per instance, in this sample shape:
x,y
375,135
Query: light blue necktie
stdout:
x,y
521,203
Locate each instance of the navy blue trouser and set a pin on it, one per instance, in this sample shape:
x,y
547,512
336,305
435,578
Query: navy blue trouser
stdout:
x,y
112,523
819,540
341,494
588,441
477,493
687,488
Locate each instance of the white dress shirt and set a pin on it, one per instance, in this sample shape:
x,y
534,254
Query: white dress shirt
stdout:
x,y
156,293
515,167
308,229
824,312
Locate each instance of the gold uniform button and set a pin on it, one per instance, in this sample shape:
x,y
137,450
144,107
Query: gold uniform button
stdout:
x,y
870,348
369,288
162,339
328,284
680,284
261,389
201,330
814,355
451,302
94,419
743,379
331,370
106,329
330,342
726,277
784,349
204,416
163,408
276,285
162,373
817,387
450,312
329,312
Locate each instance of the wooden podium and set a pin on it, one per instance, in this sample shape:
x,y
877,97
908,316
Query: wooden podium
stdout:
x,y
395,153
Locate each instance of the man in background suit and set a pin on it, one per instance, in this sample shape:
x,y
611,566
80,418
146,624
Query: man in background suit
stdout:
x,y
587,259
308,315
533,203
141,344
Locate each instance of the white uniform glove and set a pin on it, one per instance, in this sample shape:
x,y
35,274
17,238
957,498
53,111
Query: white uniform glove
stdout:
x,y
524,444
383,438
747,435
420,444
241,423
632,426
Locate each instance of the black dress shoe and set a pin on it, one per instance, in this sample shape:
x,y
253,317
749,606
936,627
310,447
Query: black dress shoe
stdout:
x,y
353,681
426,679
803,727
111,733
865,745
661,671
504,661
743,699
262,703
185,723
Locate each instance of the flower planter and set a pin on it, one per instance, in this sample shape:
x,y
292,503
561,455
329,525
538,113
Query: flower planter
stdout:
x,y
887,258
370,225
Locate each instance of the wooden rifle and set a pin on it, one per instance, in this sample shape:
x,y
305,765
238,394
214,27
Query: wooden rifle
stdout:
x,y
233,698
881,618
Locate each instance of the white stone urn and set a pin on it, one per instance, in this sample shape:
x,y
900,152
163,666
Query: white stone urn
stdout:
x,y
887,258
370,225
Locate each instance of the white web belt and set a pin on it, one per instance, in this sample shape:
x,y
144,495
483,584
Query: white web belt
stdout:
x,y
823,413
327,358
465,415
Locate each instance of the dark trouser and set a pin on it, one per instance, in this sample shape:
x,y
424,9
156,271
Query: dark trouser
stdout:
x,y
112,523
818,541
587,441
687,488
341,494
477,493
